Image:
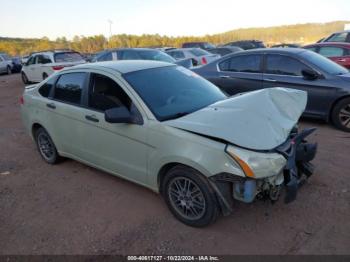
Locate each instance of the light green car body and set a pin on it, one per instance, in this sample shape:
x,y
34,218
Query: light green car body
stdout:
x,y
139,153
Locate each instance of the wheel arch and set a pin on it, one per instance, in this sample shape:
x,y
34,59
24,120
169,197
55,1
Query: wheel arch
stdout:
x,y
329,117
166,167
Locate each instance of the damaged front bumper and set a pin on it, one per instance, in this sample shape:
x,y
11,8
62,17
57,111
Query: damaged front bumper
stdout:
x,y
298,154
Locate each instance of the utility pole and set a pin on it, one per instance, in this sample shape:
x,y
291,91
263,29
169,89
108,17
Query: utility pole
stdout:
x,y
110,22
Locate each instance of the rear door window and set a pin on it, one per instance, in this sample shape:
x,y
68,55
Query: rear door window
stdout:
x,y
244,64
69,88
283,65
128,55
46,88
331,51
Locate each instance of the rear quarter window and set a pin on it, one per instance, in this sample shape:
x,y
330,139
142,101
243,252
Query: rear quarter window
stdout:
x,y
46,88
68,57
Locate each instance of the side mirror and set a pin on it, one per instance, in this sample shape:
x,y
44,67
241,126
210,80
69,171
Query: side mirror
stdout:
x,y
118,115
309,74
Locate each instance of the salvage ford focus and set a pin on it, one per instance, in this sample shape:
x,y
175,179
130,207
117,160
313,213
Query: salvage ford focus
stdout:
x,y
166,128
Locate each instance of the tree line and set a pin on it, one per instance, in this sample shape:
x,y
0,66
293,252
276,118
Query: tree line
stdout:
x,y
300,33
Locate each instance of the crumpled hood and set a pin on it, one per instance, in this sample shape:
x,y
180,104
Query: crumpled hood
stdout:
x,y
259,120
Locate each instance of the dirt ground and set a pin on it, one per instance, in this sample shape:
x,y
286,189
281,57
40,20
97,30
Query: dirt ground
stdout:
x,y
74,209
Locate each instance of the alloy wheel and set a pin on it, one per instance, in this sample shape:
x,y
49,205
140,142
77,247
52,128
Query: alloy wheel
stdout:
x,y
186,198
344,116
46,147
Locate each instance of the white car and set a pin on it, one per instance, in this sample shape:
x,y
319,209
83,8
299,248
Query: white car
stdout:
x,y
43,64
198,55
5,64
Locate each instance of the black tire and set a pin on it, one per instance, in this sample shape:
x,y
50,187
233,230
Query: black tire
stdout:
x,y
341,115
181,205
46,147
44,76
9,70
24,78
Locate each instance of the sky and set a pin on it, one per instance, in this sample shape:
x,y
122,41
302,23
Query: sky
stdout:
x,y
52,18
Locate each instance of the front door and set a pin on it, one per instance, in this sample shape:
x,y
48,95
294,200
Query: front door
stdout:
x,y
116,147
286,71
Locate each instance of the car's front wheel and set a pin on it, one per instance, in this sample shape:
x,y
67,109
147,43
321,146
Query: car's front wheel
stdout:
x,y
341,115
189,197
46,147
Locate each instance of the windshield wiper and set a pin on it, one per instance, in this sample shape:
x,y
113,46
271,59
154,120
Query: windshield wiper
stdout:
x,y
177,115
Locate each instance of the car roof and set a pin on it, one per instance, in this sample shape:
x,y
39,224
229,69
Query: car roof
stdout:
x,y
125,66
130,48
276,50
340,44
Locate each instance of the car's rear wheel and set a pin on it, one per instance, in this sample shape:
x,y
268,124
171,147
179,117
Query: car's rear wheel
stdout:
x,y
9,70
46,147
44,76
341,115
24,78
189,197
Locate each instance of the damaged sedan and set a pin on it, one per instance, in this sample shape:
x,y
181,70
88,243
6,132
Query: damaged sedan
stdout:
x,y
168,129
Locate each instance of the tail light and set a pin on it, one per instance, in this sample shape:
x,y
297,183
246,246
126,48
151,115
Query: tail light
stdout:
x,y
21,100
56,68
204,61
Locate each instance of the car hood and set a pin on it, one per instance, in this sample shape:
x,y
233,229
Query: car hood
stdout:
x,y
259,120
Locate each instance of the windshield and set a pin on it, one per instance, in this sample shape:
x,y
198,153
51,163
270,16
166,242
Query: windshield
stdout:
x,y
173,91
199,52
156,55
68,57
208,46
324,63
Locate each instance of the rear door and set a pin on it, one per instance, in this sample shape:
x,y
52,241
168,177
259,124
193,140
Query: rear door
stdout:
x,y
66,113
241,73
286,71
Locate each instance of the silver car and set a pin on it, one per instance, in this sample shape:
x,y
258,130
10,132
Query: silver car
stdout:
x,y
198,55
5,63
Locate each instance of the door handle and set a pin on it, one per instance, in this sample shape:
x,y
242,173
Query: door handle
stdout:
x,y
270,80
92,118
51,105
225,77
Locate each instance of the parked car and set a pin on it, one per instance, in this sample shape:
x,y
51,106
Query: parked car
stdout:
x,y
5,64
16,64
327,83
337,52
40,65
202,45
139,54
197,55
342,36
247,44
222,51
284,45
147,122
